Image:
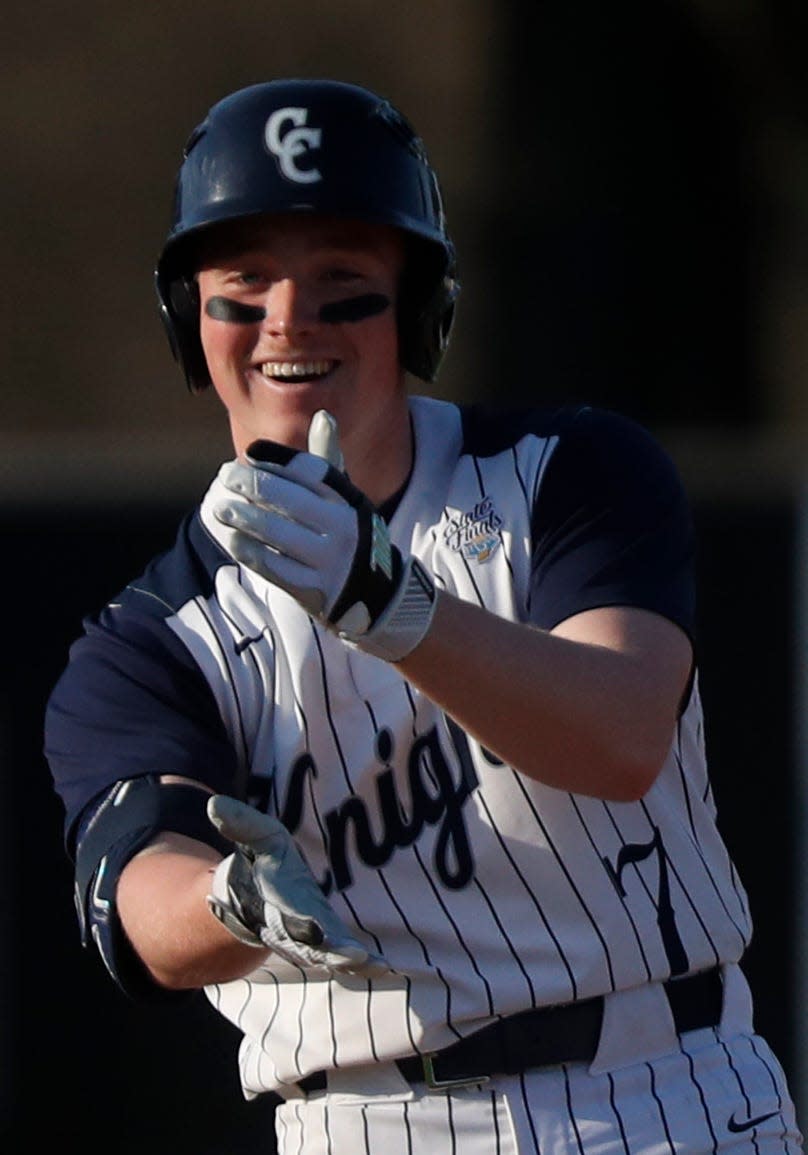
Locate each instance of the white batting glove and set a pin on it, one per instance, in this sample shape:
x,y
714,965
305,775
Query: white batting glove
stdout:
x,y
299,522
267,897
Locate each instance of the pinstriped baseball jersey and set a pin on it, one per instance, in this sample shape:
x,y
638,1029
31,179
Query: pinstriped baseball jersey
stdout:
x,y
487,892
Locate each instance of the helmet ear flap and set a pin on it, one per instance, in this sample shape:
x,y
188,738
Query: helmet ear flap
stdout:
x,y
425,321
441,320
184,298
179,311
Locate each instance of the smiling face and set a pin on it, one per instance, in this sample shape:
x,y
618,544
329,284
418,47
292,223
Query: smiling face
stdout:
x,y
298,314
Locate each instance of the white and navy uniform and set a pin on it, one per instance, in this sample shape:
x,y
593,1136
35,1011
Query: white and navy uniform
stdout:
x,y
487,892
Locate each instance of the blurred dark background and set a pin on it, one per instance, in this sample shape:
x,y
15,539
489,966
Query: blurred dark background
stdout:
x,y
627,185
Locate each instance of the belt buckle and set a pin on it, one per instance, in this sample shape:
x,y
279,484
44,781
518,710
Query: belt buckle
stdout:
x,y
436,1084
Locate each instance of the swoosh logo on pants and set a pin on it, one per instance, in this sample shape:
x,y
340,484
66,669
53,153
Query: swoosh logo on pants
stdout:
x,y
747,1124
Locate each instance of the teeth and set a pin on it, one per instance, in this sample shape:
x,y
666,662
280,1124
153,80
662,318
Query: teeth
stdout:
x,y
289,369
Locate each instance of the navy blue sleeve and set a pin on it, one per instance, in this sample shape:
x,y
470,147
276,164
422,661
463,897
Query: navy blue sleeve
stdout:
x,y
131,701
611,526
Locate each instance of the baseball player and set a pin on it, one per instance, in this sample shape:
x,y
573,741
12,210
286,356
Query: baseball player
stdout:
x,y
398,752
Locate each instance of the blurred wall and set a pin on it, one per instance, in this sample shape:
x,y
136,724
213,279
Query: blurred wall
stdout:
x,y
626,184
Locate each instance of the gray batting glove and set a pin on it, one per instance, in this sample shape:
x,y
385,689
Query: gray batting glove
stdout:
x,y
267,897
296,519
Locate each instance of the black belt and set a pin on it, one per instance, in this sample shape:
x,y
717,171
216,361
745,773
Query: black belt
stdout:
x,y
545,1036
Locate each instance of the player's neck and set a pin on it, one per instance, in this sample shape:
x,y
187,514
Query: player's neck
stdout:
x,y
381,467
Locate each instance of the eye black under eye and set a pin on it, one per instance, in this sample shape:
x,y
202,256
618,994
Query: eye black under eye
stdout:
x,y
347,309
236,312
357,308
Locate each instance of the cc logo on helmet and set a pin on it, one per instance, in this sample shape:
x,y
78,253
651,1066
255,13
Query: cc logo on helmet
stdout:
x,y
287,139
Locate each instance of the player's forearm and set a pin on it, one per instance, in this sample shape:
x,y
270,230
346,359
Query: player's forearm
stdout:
x,y
162,903
576,715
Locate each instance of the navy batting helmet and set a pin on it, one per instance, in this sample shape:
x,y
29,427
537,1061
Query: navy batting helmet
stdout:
x,y
321,146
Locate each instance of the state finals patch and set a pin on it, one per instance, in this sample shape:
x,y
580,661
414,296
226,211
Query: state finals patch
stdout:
x,y
475,534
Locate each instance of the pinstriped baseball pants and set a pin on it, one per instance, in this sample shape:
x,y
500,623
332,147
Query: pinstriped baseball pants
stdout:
x,y
648,1092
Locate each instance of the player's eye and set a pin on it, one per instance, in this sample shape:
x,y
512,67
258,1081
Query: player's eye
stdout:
x,y
342,275
251,279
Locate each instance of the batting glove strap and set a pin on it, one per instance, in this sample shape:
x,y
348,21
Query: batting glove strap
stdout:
x,y
225,903
267,897
402,625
